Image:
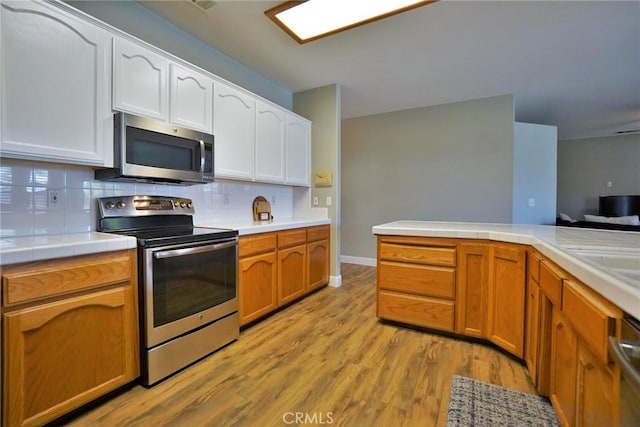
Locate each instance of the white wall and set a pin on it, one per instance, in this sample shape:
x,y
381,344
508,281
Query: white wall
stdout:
x,y
534,173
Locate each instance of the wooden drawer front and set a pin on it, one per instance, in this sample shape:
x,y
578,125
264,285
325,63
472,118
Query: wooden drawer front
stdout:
x,y
551,282
432,255
417,279
256,243
591,316
317,233
534,267
292,237
416,310
41,280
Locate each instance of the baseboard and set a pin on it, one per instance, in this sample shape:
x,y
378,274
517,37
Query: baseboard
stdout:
x,y
335,281
371,262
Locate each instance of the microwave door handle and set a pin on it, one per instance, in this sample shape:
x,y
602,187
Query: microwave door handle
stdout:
x,y
202,156
621,359
191,251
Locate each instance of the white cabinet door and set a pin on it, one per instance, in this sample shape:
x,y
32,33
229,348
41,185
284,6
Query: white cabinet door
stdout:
x,y
55,86
298,151
269,143
234,132
140,81
191,99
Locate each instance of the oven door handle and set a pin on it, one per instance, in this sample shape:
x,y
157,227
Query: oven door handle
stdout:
x,y
621,359
193,250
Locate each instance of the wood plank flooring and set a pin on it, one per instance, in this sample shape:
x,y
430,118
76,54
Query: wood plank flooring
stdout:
x,y
325,360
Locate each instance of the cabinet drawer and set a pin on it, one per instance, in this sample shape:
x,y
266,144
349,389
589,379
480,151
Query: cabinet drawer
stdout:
x,y
36,281
417,279
292,237
432,255
256,243
317,233
416,310
591,316
551,282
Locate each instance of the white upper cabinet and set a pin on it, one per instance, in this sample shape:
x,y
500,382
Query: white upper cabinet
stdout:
x,y
55,86
270,122
140,80
234,132
191,99
298,151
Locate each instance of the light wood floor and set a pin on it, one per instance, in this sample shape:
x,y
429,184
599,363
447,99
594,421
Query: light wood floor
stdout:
x,y
327,358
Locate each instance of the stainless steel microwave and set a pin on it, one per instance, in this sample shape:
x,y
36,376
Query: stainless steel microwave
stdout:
x,y
153,151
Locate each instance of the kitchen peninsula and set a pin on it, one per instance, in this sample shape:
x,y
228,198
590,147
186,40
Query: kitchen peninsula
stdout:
x,y
550,296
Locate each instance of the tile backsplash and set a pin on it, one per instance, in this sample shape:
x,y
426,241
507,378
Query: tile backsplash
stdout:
x,y
41,198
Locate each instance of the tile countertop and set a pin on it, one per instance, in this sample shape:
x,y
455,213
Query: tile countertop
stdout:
x,y
255,227
36,248
15,250
557,243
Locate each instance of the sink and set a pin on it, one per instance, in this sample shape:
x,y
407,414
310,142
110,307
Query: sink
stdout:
x,y
624,262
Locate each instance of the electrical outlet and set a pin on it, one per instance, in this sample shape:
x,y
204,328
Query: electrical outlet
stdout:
x,y
225,199
315,201
532,202
273,200
329,201
54,198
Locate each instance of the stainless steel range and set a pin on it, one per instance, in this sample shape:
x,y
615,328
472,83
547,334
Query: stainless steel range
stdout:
x,y
187,280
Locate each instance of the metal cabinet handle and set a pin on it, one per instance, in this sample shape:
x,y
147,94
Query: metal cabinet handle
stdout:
x,y
191,251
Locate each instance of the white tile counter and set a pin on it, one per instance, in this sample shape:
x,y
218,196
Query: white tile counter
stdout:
x,y
622,287
36,248
255,227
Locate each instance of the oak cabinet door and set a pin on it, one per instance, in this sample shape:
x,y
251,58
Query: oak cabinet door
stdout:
x,y
507,298
61,355
258,286
564,354
532,328
291,273
317,264
472,281
598,390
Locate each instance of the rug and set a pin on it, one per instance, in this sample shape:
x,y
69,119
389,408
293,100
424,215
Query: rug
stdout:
x,y
476,403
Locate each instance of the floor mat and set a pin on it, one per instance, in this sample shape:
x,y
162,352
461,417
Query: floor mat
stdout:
x,y
476,403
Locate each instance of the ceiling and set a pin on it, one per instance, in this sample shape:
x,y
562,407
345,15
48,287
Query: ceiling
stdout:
x,y
572,64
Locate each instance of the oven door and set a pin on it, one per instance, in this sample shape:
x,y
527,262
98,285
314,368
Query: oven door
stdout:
x,y
626,354
186,287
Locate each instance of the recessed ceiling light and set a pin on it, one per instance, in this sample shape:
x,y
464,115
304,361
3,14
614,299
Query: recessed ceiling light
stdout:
x,y
312,19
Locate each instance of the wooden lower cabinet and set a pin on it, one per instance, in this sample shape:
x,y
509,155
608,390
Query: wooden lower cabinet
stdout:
x,y
292,272
506,298
564,355
61,353
258,284
471,287
518,299
276,268
598,388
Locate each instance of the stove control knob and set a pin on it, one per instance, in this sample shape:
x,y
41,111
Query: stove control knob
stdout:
x,y
121,204
189,205
176,204
109,205
183,205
